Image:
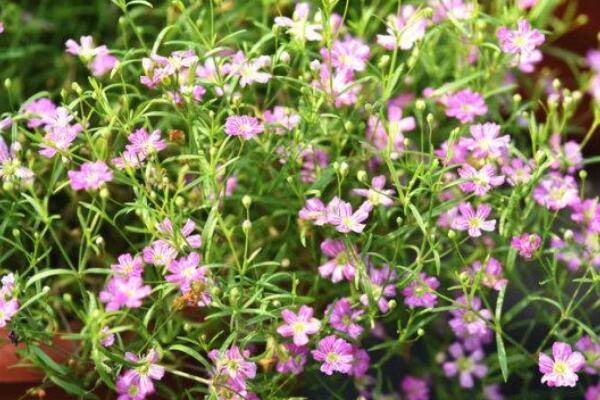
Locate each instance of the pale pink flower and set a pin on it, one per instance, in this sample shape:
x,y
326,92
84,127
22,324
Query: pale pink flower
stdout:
x,y
335,354
526,244
486,142
403,30
248,70
556,192
349,53
282,118
465,105
479,181
521,42
346,220
466,366
340,266
377,195
90,176
562,368
474,221
300,325
243,125
314,210
299,26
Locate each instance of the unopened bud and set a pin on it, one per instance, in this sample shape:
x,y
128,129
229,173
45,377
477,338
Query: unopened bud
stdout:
x,y
517,98
284,57
420,105
246,226
451,234
583,174
344,168
361,176
383,61
246,201
285,263
569,234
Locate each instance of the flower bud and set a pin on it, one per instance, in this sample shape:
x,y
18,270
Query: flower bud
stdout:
x,y
383,61
246,201
583,174
569,234
361,176
451,234
344,168
104,193
284,57
517,98
420,105
246,226
285,263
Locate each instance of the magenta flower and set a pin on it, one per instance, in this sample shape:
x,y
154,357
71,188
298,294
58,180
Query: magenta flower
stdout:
x,y
339,87
102,64
562,368
469,321
491,273
282,118
143,375
335,354
414,388
479,181
421,292
593,392
486,142
144,144
556,192
525,4
474,221
466,366
128,266
299,325
349,53
360,363
129,390
292,359
521,42
591,351
404,29
233,364
377,195
185,271
517,172
128,293
340,266
344,319
159,253
382,284
193,241
526,244
465,105
345,220
587,212
107,338
11,169
299,26
567,156
314,210
90,176
243,125
8,308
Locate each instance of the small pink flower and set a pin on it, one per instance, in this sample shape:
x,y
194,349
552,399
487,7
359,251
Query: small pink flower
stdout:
x,y
344,318
465,105
128,266
377,195
299,26
315,211
107,338
414,388
522,42
421,292
143,375
382,285
243,125
248,70
466,366
469,321
591,350
593,392
526,244
339,87
84,49
90,176
341,265
562,368
345,220
8,308
360,362
234,364
404,29
128,293
517,172
479,181
474,221
282,118
486,142
186,271
159,253
525,4
556,192
103,63
335,354
299,325
349,53
292,359
193,241
490,273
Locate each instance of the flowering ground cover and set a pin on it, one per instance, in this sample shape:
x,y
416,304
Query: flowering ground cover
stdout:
x,y
272,199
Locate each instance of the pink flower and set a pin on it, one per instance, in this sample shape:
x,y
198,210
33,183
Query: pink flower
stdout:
x,y
243,125
8,308
591,350
349,53
469,321
485,142
340,87
524,4
107,338
85,49
420,292
345,220
377,195
556,192
474,221
248,70
562,368
159,253
404,29
143,375
414,388
382,286
298,26
129,390
465,105
313,160
344,319
567,156
233,364
446,9
193,241
360,362
479,181
292,359
335,354
186,271
517,172
128,266
39,109
587,212
90,176
521,42
282,118
315,211
526,244
144,144
379,134
102,64
466,366
490,273
11,169
299,325
593,59
120,293
340,266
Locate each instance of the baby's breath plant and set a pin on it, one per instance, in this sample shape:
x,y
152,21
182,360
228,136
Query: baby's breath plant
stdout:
x,y
330,199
